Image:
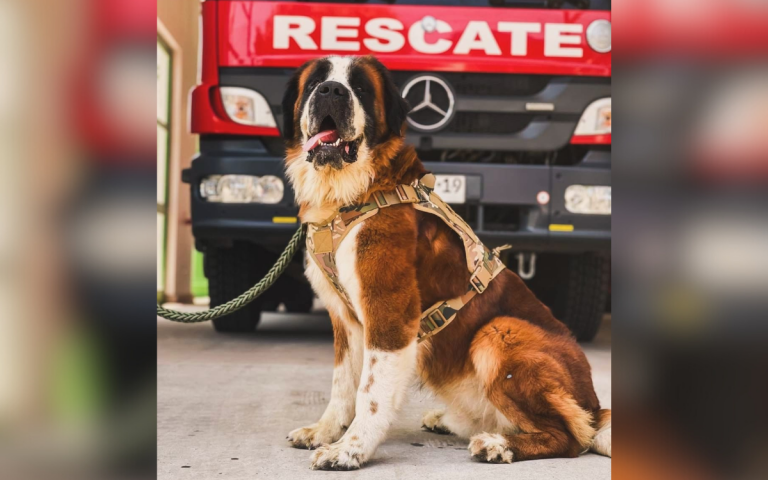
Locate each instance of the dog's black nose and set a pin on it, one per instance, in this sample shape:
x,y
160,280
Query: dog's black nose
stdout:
x,y
335,89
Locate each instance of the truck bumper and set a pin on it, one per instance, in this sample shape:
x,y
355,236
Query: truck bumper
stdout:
x,y
501,206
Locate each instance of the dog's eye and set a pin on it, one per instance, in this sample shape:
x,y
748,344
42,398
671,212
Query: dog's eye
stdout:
x,y
359,89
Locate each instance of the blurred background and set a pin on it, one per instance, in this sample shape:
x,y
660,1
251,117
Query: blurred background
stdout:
x,y
690,238
77,246
78,251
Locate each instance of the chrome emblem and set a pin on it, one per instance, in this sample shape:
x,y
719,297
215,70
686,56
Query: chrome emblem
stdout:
x,y
433,102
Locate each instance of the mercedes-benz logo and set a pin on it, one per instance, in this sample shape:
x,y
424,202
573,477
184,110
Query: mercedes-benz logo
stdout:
x,y
432,101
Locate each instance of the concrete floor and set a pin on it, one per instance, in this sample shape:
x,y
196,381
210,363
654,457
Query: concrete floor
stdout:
x,y
226,402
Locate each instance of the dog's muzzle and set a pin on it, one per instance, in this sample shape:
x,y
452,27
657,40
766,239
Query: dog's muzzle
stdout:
x,y
331,126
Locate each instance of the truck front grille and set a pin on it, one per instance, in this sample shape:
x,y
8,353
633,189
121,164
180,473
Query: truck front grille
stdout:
x,y
487,84
492,218
488,123
498,112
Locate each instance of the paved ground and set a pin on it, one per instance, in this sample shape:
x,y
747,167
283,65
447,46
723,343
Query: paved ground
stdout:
x,y
226,403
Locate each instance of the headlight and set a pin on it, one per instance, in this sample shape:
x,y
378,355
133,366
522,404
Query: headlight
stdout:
x,y
247,107
596,119
599,36
242,189
270,189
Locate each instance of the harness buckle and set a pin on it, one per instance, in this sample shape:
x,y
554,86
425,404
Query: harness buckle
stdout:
x,y
380,199
387,199
480,278
407,194
431,320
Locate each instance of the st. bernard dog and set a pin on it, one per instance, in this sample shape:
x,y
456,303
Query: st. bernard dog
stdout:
x,y
516,383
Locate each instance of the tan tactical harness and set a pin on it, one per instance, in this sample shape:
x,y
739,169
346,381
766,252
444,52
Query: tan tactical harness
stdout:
x,y
323,239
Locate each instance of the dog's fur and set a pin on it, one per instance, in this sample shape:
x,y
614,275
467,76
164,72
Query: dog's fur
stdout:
x,y
515,381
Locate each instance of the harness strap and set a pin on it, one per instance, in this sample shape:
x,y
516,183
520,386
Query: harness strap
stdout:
x,y
323,240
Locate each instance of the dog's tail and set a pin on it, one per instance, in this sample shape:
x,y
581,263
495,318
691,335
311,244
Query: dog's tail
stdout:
x,y
602,441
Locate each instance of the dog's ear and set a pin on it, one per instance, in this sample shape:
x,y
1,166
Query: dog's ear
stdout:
x,y
396,107
290,97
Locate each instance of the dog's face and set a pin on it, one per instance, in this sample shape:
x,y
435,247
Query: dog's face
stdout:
x,y
337,112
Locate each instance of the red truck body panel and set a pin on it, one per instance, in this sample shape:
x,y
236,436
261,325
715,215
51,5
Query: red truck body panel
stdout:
x,y
417,38
207,113
247,37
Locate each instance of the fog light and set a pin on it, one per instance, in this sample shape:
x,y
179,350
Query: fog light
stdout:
x,y
242,189
590,200
209,187
599,36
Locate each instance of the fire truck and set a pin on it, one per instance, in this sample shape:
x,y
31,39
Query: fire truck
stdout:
x,y
516,125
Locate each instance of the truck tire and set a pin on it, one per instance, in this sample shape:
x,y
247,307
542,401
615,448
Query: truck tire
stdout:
x,y
298,296
230,272
576,288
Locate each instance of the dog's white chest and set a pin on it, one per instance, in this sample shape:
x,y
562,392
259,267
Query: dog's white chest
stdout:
x,y
346,264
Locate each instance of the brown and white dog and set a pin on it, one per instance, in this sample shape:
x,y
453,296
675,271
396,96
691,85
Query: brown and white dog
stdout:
x,y
516,382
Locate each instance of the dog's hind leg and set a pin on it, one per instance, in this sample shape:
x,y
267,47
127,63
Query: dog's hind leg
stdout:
x,y
602,441
449,421
433,422
528,386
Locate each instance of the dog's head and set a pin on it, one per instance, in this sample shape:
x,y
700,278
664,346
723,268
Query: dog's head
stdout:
x,y
337,112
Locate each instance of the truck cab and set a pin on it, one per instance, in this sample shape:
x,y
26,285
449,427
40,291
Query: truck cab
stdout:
x,y
511,109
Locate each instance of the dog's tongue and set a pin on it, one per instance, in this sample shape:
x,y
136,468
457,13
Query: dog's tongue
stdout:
x,y
325,136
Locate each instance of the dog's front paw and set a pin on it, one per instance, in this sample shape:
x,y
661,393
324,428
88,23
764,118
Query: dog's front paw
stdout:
x,y
433,422
491,448
342,455
313,436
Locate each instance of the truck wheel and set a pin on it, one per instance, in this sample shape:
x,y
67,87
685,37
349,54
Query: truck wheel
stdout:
x,y
298,296
576,288
230,272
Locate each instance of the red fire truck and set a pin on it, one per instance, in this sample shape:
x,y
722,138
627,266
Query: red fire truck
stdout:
x,y
518,132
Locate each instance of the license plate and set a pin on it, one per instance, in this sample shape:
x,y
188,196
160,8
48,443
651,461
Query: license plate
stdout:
x,y
588,200
451,188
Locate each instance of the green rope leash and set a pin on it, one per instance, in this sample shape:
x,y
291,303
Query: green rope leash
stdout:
x,y
236,304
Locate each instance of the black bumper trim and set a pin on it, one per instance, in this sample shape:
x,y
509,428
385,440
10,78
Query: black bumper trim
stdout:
x,y
492,185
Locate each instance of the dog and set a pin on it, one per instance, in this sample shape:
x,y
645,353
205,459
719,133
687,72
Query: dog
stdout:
x,y
516,383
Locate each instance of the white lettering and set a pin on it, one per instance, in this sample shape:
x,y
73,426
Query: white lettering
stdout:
x,y
558,34
386,35
384,29
285,27
417,41
332,31
519,31
477,36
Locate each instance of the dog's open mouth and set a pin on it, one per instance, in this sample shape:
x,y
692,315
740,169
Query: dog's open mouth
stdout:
x,y
326,138
328,141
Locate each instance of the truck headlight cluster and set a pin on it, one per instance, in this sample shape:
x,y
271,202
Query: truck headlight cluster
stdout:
x,y
247,107
242,189
596,119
